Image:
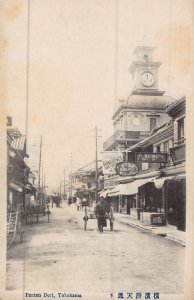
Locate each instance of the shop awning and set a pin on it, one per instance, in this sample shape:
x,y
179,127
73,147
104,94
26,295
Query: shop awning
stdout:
x,y
114,192
132,187
15,187
158,182
179,177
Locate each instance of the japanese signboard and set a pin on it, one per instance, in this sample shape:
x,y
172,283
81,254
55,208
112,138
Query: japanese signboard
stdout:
x,y
109,160
151,157
127,169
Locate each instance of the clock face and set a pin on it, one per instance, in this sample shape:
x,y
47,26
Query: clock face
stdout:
x,y
136,121
147,79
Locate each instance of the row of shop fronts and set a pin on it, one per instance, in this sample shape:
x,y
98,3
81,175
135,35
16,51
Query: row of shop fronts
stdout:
x,y
148,139
20,179
160,194
159,188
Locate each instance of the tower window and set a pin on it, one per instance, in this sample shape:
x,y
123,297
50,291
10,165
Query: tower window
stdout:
x,y
153,123
145,57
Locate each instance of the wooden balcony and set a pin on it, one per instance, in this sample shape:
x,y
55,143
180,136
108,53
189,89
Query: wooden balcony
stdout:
x,y
121,137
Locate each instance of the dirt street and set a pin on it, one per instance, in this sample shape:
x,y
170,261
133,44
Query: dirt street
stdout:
x,y
60,257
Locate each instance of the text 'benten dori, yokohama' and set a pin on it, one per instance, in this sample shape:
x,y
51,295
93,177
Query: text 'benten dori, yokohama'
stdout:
x,y
52,295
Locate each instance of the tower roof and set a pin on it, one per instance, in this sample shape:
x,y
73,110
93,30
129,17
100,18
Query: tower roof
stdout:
x,y
149,102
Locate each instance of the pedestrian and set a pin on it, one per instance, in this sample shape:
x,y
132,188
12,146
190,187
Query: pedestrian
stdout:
x,y
78,203
101,214
69,200
81,203
85,201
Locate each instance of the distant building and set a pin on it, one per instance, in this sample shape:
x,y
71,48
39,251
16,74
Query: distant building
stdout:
x,y
84,181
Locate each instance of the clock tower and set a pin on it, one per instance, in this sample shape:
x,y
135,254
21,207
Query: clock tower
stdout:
x,y
145,108
145,72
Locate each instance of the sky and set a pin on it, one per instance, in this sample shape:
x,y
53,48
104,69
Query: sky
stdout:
x,y
79,56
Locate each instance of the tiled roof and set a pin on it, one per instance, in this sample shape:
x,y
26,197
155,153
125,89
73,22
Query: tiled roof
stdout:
x,y
9,138
175,103
166,127
88,168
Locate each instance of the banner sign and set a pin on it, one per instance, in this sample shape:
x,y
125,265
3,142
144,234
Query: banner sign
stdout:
x,y
151,157
109,161
127,169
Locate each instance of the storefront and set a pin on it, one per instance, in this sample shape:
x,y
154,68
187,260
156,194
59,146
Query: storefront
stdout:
x,y
175,192
15,196
125,195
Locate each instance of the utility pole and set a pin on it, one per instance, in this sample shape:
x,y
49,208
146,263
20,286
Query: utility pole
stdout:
x,y
96,138
60,187
40,163
42,178
71,178
44,181
96,160
60,203
64,184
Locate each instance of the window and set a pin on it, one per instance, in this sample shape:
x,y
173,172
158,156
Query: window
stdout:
x,y
145,57
121,123
166,147
158,149
153,123
181,130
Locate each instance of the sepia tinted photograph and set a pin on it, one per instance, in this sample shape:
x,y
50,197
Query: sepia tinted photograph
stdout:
x,y
96,149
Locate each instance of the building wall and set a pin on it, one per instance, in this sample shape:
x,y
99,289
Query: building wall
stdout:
x,y
138,120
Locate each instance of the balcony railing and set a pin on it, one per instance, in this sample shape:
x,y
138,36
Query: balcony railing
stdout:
x,y
120,136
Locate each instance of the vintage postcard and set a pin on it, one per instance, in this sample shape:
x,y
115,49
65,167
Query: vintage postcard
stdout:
x,y
96,158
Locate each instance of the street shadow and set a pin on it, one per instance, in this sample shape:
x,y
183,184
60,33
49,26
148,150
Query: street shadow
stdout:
x,y
105,231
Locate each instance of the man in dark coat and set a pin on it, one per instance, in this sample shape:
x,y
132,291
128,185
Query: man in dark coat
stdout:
x,y
101,214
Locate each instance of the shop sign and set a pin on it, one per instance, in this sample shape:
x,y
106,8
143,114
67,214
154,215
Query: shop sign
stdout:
x,y
151,157
109,160
178,154
127,169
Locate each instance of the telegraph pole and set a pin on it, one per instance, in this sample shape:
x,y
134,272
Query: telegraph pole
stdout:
x,y
42,178
71,178
40,163
64,184
96,160
96,138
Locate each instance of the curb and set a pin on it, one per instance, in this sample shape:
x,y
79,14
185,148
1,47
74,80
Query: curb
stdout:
x,y
181,242
162,234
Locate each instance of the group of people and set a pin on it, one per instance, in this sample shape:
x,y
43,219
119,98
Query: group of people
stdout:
x,y
103,208
80,202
